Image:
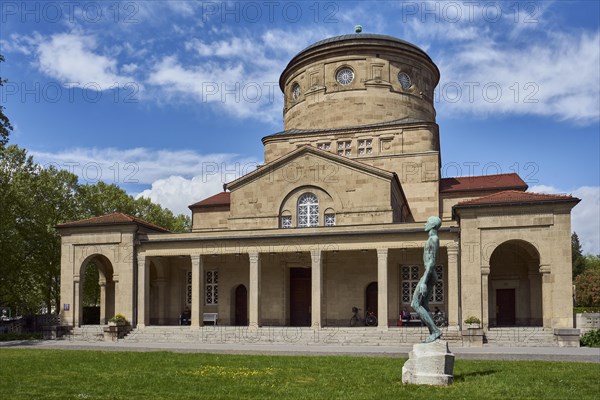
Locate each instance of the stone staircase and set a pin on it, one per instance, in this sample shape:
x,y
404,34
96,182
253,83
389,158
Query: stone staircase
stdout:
x,y
359,336
520,337
340,336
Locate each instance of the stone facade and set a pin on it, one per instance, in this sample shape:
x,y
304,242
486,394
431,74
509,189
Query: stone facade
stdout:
x,y
334,219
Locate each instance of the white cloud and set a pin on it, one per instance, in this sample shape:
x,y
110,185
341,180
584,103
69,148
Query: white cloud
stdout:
x,y
73,59
556,78
237,75
176,178
585,217
176,192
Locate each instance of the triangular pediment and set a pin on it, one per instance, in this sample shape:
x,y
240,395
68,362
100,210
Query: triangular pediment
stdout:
x,y
310,150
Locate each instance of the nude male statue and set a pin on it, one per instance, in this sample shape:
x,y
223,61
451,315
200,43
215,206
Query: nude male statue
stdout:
x,y
420,299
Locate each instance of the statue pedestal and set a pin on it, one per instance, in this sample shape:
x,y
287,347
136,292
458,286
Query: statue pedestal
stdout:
x,y
429,364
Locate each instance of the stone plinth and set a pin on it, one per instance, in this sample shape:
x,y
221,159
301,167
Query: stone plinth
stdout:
x,y
429,364
472,337
567,337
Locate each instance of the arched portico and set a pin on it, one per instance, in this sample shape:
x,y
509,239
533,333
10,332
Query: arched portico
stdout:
x,y
514,285
107,285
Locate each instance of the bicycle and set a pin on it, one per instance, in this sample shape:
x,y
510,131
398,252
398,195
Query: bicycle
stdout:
x,y
439,320
370,318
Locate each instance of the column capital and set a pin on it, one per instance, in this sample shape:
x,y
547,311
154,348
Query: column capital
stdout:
x,y
485,270
382,253
545,269
452,248
254,256
195,258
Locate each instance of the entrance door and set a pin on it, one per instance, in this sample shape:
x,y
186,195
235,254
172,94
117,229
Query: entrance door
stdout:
x,y
505,307
241,306
371,298
300,296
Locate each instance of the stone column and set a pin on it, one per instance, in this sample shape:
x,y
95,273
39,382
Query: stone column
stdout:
x,y
382,289
77,309
254,291
143,305
102,285
160,288
197,311
453,289
547,282
317,287
485,297
535,294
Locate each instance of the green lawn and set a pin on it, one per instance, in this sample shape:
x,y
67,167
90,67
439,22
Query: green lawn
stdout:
x,y
64,374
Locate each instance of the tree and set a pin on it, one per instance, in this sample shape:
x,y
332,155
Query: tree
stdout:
x,y
577,259
33,200
587,284
5,126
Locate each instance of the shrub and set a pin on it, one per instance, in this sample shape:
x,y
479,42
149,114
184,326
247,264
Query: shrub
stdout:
x,y
19,336
472,320
582,310
591,339
119,319
587,288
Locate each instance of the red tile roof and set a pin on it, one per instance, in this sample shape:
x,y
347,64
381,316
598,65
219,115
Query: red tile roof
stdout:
x,y
111,219
219,199
484,182
514,197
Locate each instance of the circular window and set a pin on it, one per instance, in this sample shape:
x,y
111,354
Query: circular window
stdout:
x,y
345,76
296,91
404,80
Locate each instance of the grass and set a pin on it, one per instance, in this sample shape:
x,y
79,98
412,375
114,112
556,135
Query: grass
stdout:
x,y
68,374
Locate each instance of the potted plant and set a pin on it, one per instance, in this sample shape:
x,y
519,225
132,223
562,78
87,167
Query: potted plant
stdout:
x,y
473,322
473,335
118,320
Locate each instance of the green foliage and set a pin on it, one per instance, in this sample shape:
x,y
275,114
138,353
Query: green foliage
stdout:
x,y
33,201
101,198
583,310
91,289
587,288
577,259
119,319
167,375
472,320
591,339
5,126
6,337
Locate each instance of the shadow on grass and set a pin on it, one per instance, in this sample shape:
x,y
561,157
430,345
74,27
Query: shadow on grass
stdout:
x,y
19,343
463,377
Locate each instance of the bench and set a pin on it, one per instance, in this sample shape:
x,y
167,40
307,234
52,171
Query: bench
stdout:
x,y
210,317
206,317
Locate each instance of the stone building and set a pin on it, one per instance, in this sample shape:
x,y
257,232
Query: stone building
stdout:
x,y
334,218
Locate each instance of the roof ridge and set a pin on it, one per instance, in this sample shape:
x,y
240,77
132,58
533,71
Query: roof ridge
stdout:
x,y
531,195
480,176
105,219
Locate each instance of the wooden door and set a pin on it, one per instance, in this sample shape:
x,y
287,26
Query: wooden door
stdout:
x,y
371,298
241,306
505,307
300,296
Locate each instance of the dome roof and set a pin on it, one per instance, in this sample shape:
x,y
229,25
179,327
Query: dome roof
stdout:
x,y
356,39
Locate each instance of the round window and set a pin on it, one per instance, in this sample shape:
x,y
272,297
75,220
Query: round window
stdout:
x,y
296,91
404,80
345,76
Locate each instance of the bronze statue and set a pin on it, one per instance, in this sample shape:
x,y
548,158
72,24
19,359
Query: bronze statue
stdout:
x,y
420,299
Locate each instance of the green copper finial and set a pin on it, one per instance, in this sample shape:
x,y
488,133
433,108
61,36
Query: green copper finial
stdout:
x,y
358,29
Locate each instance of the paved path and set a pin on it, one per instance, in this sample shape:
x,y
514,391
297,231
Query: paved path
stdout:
x,y
579,354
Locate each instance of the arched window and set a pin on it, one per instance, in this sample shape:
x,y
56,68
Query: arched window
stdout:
x,y
308,210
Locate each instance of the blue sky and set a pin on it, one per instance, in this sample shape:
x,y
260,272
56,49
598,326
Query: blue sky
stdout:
x,y
170,99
